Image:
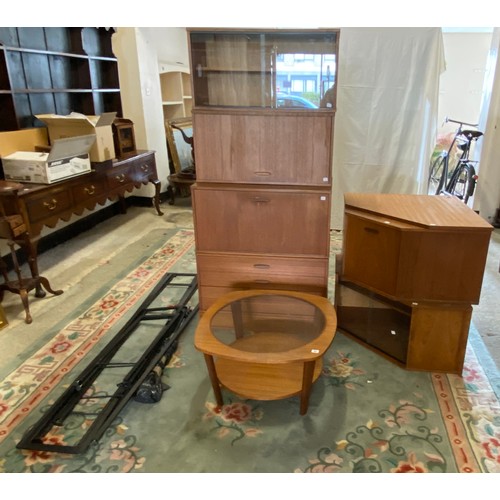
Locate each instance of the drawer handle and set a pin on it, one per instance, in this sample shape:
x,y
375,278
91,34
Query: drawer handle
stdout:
x,y
120,178
262,282
145,168
261,266
262,173
51,205
258,199
371,230
90,190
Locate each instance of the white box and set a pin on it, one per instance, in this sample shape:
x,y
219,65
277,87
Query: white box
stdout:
x,y
67,158
76,124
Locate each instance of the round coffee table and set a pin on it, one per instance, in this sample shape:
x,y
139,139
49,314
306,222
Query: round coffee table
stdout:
x,y
266,344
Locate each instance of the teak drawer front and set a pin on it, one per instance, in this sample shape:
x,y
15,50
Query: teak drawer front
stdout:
x,y
262,221
238,270
294,150
50,204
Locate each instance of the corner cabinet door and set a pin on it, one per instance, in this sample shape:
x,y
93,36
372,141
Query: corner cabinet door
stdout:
x,y
371,254
264,149
271,221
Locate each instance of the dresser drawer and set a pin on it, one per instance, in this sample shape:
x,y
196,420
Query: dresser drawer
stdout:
x,y
145,168
119,177
255,271
50,204
260,221
89,190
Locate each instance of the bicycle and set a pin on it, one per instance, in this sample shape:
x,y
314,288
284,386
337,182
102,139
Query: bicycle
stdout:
x,y
461,180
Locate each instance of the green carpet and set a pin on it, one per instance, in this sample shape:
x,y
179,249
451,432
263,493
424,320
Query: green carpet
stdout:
x,y
365,413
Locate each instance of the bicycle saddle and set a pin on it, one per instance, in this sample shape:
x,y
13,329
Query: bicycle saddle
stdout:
x,y
471,134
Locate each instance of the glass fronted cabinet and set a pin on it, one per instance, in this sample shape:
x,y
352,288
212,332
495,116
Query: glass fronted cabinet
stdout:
x,y
264,69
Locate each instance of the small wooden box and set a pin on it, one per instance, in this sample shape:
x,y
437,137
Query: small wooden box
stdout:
x,y
124,137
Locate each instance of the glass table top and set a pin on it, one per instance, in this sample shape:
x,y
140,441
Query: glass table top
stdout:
x,y
267,323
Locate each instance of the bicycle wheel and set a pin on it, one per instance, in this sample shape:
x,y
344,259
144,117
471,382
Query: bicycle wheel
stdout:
x,y
436,174
463,182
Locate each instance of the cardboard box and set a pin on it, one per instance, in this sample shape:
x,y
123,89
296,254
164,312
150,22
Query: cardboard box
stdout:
x,y
75,124
22,140
67,158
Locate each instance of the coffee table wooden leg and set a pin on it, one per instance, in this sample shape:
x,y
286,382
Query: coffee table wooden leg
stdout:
x,y
307,377
209,360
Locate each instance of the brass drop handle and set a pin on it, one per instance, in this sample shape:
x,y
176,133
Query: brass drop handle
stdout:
x,y
262,282
90,190
51,205
145,168
120,178
258,199
262,173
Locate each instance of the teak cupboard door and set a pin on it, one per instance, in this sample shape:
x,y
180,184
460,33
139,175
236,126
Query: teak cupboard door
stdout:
x,y
263,149
371,254
271,221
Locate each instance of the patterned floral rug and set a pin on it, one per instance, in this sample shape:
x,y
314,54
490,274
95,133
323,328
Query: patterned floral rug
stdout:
x,y
365,413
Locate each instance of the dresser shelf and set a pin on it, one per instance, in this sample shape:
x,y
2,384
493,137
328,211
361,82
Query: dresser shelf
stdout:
x,y
56,70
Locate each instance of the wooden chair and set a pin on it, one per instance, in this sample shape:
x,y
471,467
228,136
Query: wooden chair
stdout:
x,y
183,166
15,231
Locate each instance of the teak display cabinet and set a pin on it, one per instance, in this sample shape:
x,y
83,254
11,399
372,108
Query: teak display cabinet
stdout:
x,y
262,199
411,268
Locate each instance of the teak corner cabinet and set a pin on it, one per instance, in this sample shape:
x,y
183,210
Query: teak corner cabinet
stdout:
x,y
411,269
263,166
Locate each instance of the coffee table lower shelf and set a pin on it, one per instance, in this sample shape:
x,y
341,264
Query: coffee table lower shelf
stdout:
x,y
267,382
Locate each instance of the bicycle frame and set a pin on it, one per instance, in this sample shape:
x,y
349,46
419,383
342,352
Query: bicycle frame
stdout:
x,y
460,181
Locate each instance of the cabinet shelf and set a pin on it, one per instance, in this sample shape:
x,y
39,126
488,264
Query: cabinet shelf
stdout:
x,y
56,70
176,94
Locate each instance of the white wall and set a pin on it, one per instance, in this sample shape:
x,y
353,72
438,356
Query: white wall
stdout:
x,y
461,85
137,52
487,197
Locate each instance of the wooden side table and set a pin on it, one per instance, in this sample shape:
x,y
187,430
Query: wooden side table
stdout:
x,y
266,344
